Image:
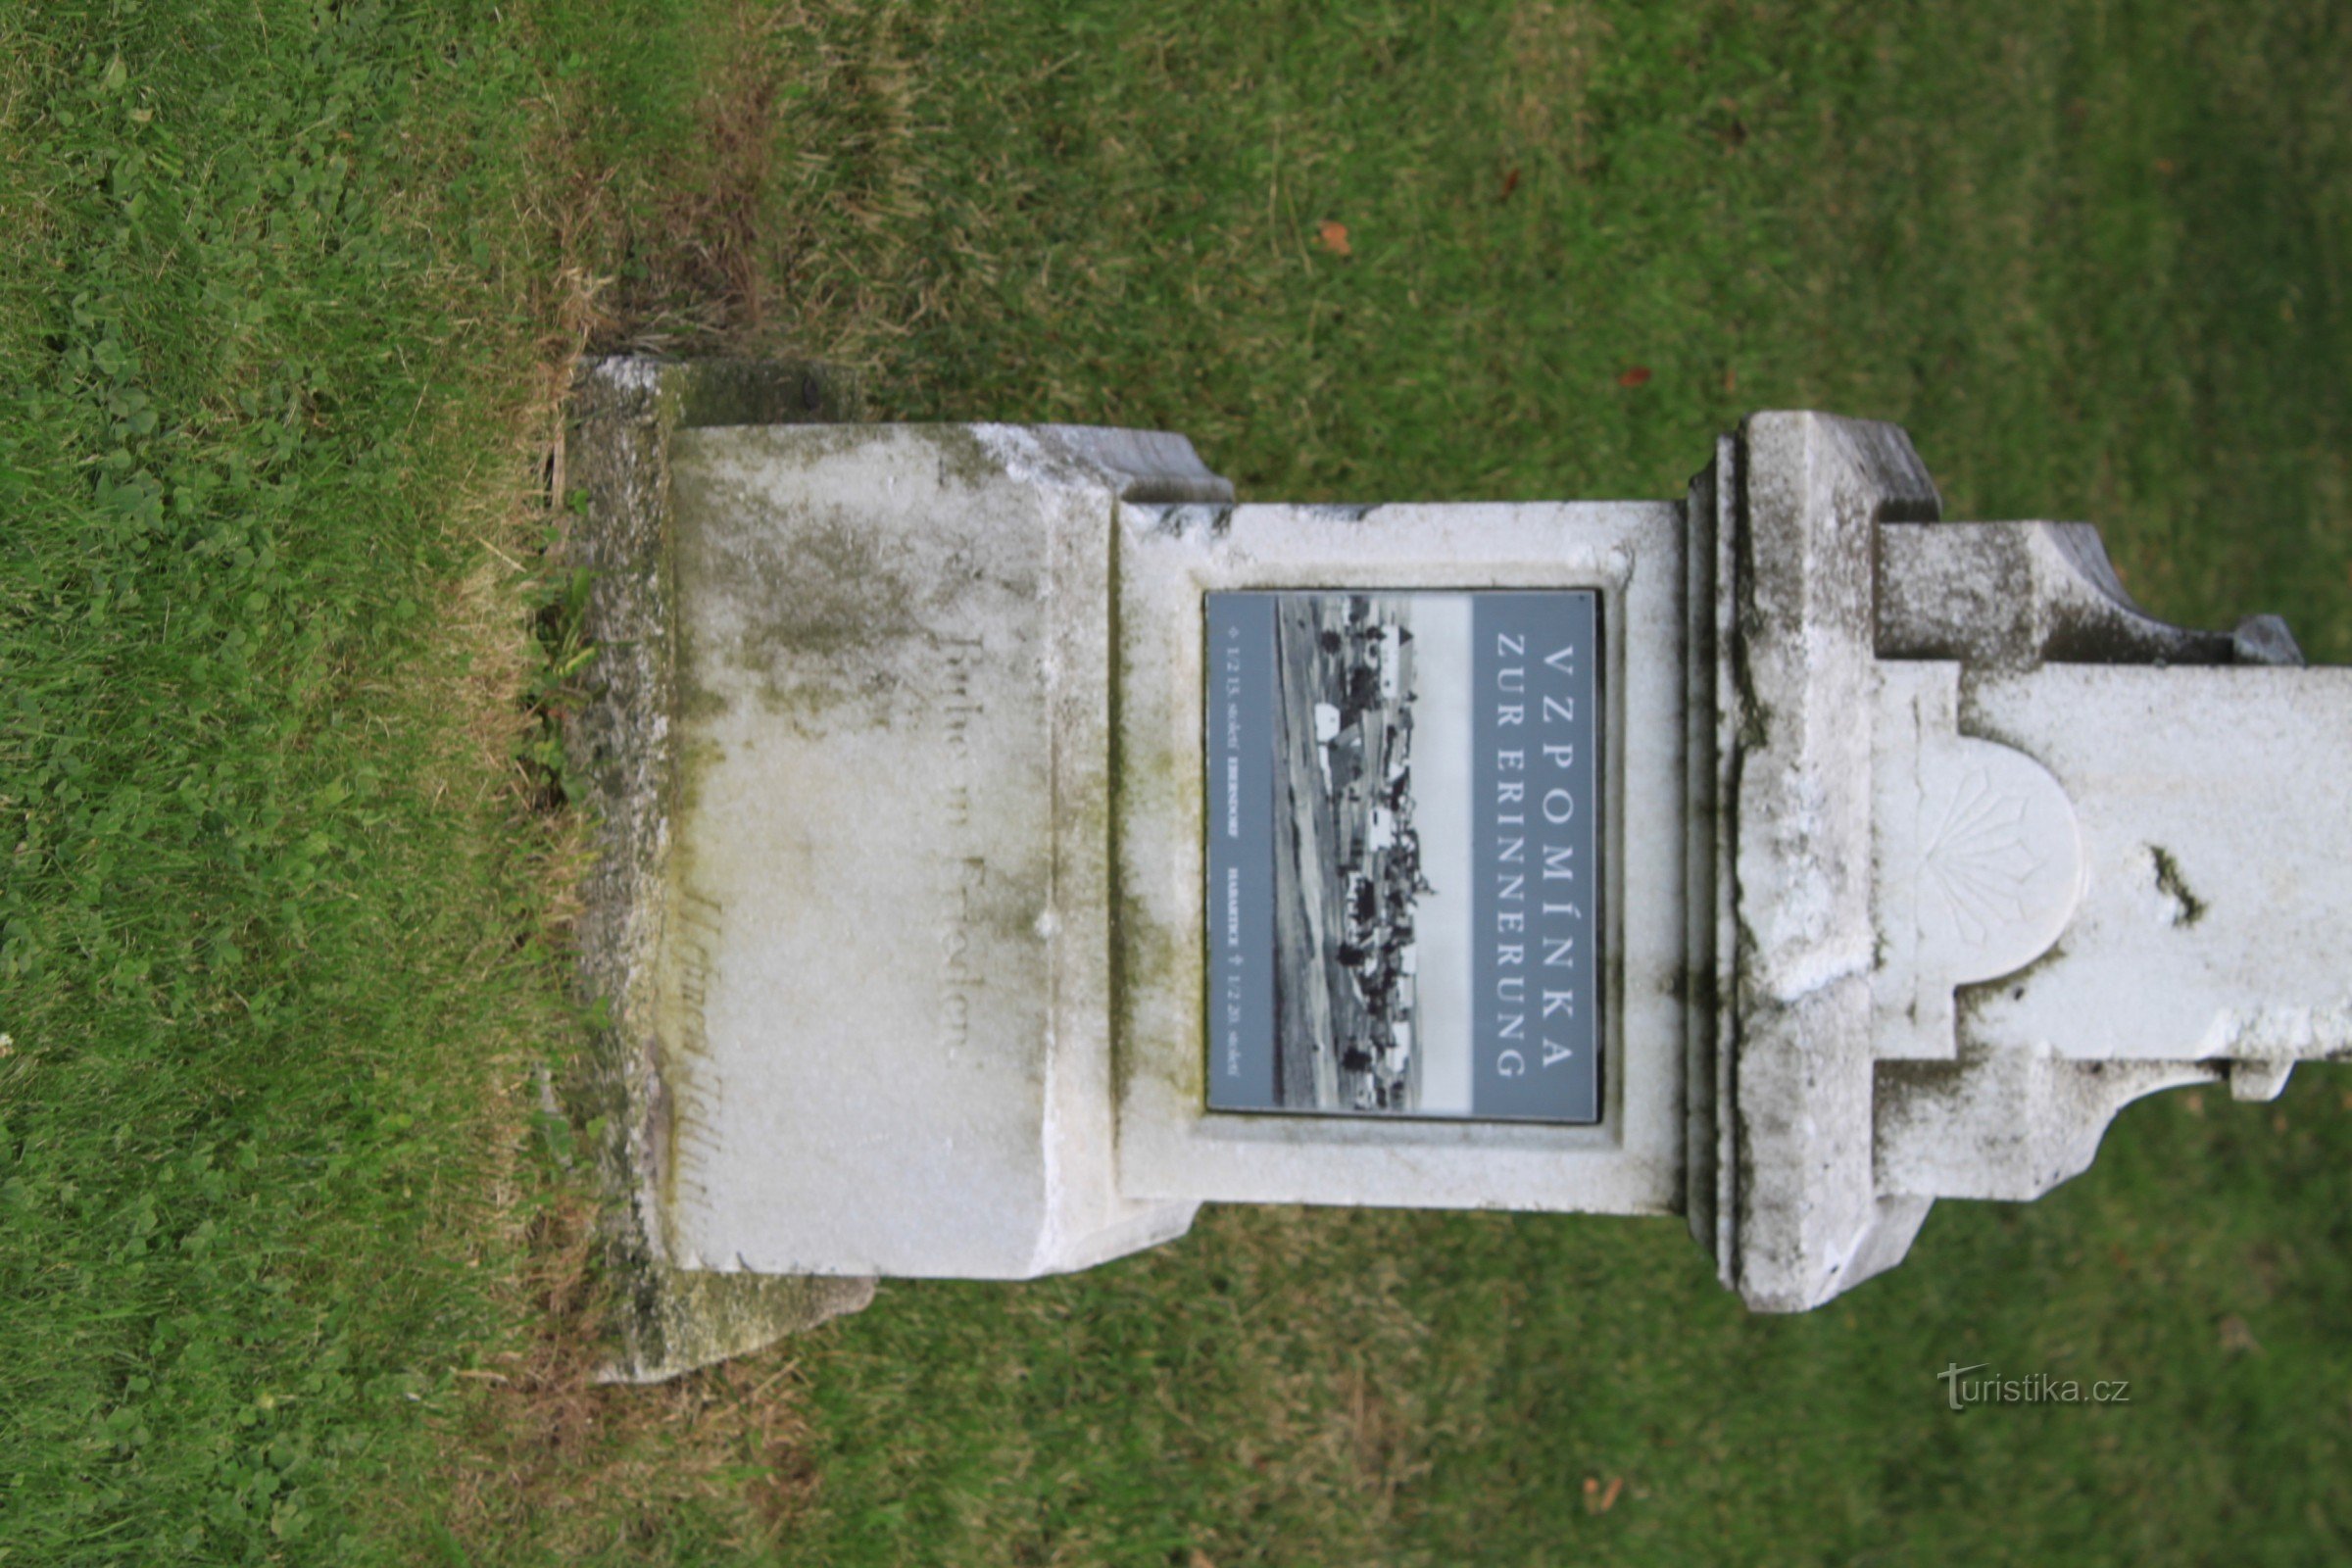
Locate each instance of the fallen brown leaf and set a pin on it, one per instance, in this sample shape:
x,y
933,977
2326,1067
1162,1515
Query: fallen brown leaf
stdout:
x,y
1633,375
1510,183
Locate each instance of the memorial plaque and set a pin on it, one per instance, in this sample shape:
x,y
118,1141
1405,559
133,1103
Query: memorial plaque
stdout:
x,y
1200,885
1403,874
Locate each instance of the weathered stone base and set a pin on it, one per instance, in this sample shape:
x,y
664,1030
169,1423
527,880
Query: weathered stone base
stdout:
x,y
624,414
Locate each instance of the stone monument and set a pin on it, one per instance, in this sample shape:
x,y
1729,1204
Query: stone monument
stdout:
x,y
1011,843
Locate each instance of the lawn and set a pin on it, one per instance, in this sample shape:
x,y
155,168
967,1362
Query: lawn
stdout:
x,y
296,1267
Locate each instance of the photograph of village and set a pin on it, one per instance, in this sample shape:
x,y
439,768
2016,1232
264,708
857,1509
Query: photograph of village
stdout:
x,y
1349,877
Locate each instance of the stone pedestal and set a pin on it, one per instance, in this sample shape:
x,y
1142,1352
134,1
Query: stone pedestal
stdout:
x,y
1919,849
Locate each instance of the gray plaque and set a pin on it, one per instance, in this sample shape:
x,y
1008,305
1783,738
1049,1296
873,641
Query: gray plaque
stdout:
x,y
1403,825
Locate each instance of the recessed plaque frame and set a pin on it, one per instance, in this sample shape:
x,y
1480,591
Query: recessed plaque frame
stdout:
x,y
1167,561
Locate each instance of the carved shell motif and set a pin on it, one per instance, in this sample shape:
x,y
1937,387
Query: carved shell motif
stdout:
x,y
1999,861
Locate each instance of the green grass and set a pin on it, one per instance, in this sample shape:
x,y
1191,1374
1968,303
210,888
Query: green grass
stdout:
x,y
275,303
266,936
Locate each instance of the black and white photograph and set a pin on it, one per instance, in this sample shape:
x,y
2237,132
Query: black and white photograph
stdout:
x,y
1370,823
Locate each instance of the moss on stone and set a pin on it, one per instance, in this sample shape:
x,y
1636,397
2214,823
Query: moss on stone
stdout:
x,y
624,416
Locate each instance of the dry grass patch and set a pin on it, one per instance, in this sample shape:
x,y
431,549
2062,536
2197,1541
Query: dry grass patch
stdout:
x,y
546,1464
1549,51
715,241
538,1460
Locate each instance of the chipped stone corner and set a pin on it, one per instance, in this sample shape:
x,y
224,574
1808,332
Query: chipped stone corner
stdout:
x,y
1799,1218
623,413
674,1321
